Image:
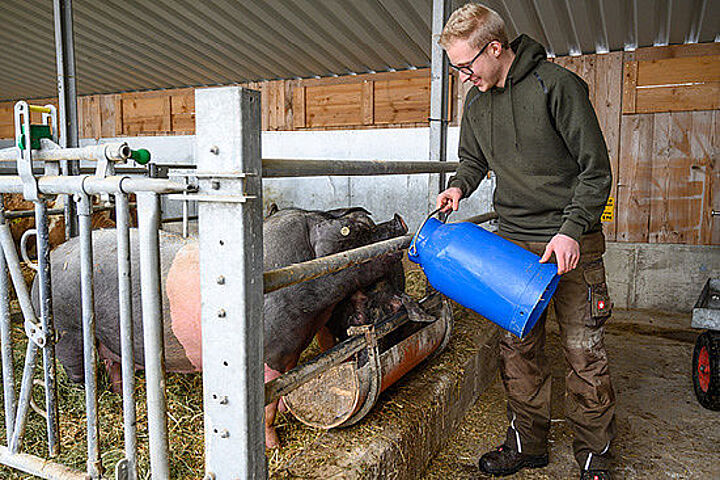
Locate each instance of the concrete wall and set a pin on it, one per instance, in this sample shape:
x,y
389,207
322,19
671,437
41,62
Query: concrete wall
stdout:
x,y
659,276
409,195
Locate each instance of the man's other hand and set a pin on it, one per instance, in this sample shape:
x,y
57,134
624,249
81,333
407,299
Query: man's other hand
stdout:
x,y
449,199
567,252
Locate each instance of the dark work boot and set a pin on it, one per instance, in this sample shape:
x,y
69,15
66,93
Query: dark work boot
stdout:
x,y
506,461
595,475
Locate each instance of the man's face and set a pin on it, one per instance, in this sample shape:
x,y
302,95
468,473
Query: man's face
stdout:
x,y
486,67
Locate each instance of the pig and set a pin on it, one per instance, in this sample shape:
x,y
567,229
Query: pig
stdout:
x,y
292,316
374,303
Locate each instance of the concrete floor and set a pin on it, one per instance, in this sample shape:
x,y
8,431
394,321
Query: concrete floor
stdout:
x,y
662,431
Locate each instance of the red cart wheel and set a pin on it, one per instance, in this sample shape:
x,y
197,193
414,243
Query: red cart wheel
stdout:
x,y
706,370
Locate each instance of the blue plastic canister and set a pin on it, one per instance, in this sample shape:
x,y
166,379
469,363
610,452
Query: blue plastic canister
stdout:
x,y
486,273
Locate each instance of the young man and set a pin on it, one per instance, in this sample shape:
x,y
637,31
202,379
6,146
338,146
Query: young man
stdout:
x,y
531,122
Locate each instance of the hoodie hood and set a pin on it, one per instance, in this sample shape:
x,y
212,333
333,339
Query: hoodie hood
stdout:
x,y
528,53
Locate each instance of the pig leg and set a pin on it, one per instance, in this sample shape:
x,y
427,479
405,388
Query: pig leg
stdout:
x,y
69,352
113,368
271,436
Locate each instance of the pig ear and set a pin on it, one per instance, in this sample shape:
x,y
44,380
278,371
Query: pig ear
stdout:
x,y
324,238
272,209
415,311
341,212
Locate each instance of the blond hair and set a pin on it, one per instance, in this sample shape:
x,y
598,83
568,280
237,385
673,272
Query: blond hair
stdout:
x,y
475,23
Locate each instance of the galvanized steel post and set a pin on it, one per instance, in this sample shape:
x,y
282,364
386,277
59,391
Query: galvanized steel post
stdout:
x,y
148,206
6,341
438,90
126,335
87,299
67,98
231,258
46,320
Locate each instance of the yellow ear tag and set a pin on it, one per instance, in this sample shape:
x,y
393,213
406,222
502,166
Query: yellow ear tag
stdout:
x,y
345,231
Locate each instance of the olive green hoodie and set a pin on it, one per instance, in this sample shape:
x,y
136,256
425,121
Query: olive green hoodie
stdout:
x,y
541,137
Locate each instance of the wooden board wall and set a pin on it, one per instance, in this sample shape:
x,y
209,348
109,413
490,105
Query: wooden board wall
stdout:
x,y
603,75
672,79
669,170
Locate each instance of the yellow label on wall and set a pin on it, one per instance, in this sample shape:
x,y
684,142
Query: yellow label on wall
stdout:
x,y
608,214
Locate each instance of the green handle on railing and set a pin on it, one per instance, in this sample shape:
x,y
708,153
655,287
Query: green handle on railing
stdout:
x,y
140,156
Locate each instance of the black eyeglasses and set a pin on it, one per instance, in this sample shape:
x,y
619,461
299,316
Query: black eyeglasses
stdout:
x,y
467,69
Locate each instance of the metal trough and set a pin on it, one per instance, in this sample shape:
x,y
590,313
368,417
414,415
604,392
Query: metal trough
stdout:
x,y
343,394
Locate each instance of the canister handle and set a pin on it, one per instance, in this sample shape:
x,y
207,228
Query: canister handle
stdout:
x,y
412,250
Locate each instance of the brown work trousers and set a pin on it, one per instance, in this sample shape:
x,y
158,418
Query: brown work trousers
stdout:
x,y
581,306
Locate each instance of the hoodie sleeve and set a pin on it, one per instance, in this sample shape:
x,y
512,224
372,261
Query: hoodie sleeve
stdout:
x,y
578,125
473,164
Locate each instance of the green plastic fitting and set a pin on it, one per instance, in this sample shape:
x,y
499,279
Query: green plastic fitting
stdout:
x,y
140,156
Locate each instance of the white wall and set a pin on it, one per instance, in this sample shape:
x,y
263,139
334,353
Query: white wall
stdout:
x,y
408,195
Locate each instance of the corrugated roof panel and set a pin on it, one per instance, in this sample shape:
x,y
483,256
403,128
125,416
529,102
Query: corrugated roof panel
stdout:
x,y
710,22
141,44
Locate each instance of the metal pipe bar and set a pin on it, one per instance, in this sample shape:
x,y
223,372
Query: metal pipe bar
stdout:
x,y
57,185
67,99
302,272
9,169
180,219
94,462
39,467
439,90
478,219
24,398
65,60
148,226
301,374
118,151
6,343
13,263
48,325
185,217
122,216
274,168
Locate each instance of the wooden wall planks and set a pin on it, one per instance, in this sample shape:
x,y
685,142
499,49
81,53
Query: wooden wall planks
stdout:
x,y
333,105
679,70
634,180
144,112
668,80
608,105
402,101
668,180
7,123
678,98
